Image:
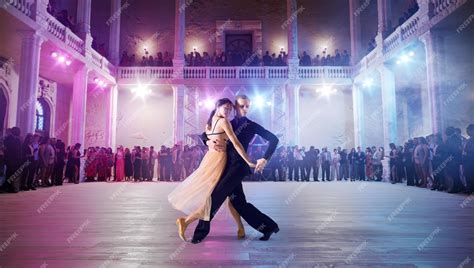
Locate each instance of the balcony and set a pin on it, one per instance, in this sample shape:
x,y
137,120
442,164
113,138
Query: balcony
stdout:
x,y
63,37
410,30
234,75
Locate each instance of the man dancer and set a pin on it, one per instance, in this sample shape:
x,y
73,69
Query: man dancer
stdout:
x,y
230,183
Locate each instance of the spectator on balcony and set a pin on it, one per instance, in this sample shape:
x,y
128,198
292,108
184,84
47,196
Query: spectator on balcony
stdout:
x,y
305,59
273,60
167,60
317,60
63,17
159,59
221,59
144,61
267,60
337,58
125,59
346,58
214,59
150,61
330,60
206,60
198,59
280,61
188,59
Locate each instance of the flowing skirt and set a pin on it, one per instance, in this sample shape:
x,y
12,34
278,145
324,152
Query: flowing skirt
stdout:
x,y
193,195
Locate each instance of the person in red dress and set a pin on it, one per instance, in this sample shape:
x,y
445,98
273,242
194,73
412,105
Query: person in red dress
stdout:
x,y
91,164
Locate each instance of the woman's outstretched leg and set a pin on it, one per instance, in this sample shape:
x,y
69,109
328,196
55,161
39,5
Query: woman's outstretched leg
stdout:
x,y
238,220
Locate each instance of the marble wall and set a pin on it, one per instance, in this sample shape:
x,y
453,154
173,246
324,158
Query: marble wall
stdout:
x,y
145,122
96,117
326,121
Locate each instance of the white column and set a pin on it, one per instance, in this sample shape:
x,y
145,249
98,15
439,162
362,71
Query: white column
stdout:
x,y
179,31
79,101
28,84
384,12
354,15
292,22
358,113
292,103
389,106
83,18
432,60
114,33
111,120
178,113
278,113
404,125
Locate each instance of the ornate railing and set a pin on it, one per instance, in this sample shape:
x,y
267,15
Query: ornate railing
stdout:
x,y
251,72
277,72
403,32
312,72
338,72
392,41
410,27
445,6
64,34
325,72
24,6
145,72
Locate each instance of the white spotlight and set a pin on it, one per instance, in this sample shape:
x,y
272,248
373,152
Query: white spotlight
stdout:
x,y
404,58
326,91
61,59
54,54
141,91
259,101
68,62
209,104
368,82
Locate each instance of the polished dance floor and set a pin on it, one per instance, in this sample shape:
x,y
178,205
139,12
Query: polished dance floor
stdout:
x,y
332,224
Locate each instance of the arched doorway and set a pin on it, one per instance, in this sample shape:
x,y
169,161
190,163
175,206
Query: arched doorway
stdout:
x,y
43,117
3,110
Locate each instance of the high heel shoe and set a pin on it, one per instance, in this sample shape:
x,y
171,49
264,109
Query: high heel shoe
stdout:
x,y
241,233
180,222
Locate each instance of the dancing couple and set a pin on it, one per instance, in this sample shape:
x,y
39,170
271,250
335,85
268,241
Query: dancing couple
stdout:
x,y
219,176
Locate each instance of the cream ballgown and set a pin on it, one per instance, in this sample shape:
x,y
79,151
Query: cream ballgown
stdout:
x,y
193,195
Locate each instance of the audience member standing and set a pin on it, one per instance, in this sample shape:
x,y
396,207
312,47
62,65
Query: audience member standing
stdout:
x,y
128,165
28,170
468,159
13,161
119,165
325,164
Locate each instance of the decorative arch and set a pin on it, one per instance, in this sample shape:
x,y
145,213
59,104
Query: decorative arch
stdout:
x,y
43,116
